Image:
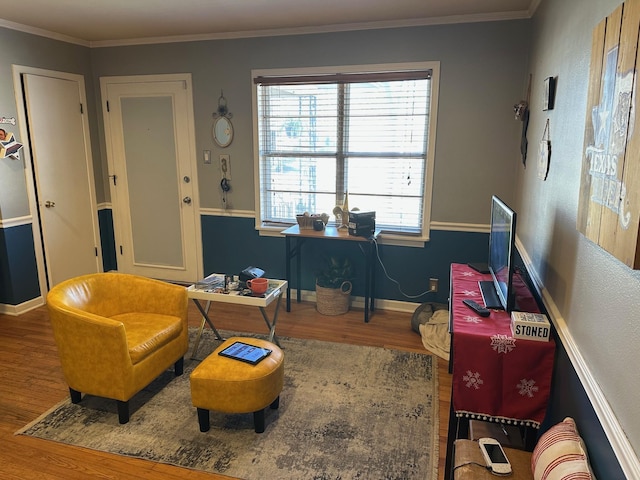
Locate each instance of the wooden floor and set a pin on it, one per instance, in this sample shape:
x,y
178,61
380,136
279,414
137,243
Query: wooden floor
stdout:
x,y
31,382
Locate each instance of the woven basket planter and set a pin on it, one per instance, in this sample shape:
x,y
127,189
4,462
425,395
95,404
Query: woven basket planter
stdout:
x,y
333,301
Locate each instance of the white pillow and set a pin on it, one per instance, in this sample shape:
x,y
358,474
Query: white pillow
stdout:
x,y
560,454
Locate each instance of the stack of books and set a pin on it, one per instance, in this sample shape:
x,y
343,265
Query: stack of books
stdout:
x,y
213,281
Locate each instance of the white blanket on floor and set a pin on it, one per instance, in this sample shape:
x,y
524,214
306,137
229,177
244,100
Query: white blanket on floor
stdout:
x,y
435,334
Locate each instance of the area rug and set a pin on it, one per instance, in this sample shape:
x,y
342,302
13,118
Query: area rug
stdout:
x,y
346,412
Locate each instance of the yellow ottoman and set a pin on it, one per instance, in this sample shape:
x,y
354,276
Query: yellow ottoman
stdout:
x,y
232,386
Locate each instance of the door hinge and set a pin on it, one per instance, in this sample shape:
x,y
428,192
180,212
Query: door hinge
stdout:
x,y
121,250
108,110
114,176
96,249
81,110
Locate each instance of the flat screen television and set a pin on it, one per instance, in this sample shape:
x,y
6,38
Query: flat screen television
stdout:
x,y
498,293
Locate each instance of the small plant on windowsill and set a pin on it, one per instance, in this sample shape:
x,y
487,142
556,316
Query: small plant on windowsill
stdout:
x,y
333,286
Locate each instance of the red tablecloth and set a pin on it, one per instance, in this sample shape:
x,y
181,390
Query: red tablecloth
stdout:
x,y
495,376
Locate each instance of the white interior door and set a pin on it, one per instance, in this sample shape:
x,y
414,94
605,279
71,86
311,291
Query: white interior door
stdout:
x,y
62,166
151,149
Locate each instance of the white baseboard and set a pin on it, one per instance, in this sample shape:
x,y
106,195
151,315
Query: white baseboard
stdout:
x,y
623,450
358,302
16,310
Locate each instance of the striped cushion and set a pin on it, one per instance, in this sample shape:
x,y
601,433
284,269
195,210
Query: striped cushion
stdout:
x,y
560,454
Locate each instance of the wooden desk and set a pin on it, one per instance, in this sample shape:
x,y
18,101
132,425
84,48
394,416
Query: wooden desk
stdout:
x,y
331,233
495,377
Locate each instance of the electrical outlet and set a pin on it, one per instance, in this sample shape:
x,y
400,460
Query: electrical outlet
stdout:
x,y
433,284
225,166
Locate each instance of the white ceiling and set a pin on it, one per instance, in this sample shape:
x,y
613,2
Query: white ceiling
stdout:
x,y
113,22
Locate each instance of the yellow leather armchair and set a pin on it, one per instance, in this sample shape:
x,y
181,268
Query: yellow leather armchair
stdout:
x,y
116,333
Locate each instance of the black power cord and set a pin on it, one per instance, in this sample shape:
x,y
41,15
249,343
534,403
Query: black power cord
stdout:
x,y
375,242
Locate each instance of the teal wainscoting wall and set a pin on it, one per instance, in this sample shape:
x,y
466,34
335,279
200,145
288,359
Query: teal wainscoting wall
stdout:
x,y
232,243
18,269
107,239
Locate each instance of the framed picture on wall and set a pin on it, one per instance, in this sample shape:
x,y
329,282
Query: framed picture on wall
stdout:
x,y
549,93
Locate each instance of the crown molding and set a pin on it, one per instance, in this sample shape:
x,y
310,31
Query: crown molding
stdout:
x,y
533,7
43,33
419,22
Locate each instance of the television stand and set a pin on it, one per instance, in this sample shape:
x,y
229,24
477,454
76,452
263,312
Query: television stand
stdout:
x,y
495,377
489,295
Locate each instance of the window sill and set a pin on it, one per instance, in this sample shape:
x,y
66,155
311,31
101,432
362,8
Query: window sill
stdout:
x,y
383,239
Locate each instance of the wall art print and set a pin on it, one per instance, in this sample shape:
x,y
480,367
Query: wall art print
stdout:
x,y
9,147
609,203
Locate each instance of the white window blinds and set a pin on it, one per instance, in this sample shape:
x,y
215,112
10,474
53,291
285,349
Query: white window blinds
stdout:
x,y
320,136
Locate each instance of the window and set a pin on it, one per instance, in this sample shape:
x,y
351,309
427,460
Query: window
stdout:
x,y
321,134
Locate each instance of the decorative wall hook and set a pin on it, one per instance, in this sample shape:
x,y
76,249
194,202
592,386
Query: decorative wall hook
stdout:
x,y
223,109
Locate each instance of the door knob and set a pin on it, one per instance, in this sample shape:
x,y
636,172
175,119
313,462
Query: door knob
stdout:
x,y
187,200
49,204
186,179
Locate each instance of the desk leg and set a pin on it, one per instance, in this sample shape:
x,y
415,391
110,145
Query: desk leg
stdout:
x,y
197,342
458,428
205,318
372,297
272,325
298,268
288,271
367,285
451,436
369,281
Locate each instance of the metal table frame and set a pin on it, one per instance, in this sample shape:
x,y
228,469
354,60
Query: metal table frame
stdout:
x,y
274,294
331,233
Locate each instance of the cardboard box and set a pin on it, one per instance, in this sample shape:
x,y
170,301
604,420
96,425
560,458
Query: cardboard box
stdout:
x,y
530,326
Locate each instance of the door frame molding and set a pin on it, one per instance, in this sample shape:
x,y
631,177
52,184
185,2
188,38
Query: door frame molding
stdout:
x,y
27,158
170,77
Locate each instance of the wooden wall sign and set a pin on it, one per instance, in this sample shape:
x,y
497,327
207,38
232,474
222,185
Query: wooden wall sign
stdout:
x,y
609,204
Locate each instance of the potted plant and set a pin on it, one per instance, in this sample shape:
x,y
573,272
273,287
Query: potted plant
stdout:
x,y
333,286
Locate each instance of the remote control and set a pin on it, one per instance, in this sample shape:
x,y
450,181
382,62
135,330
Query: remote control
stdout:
x,y
483,312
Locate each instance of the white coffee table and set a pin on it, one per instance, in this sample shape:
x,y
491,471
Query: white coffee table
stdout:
x,y
274,292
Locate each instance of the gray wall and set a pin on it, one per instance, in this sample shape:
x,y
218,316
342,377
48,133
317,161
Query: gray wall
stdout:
x,y
596,295
33,51
482,67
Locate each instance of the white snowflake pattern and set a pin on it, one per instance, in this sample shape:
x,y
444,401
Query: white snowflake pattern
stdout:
x,y
502,343
468,274
527,387
473,380
469,293
472,319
